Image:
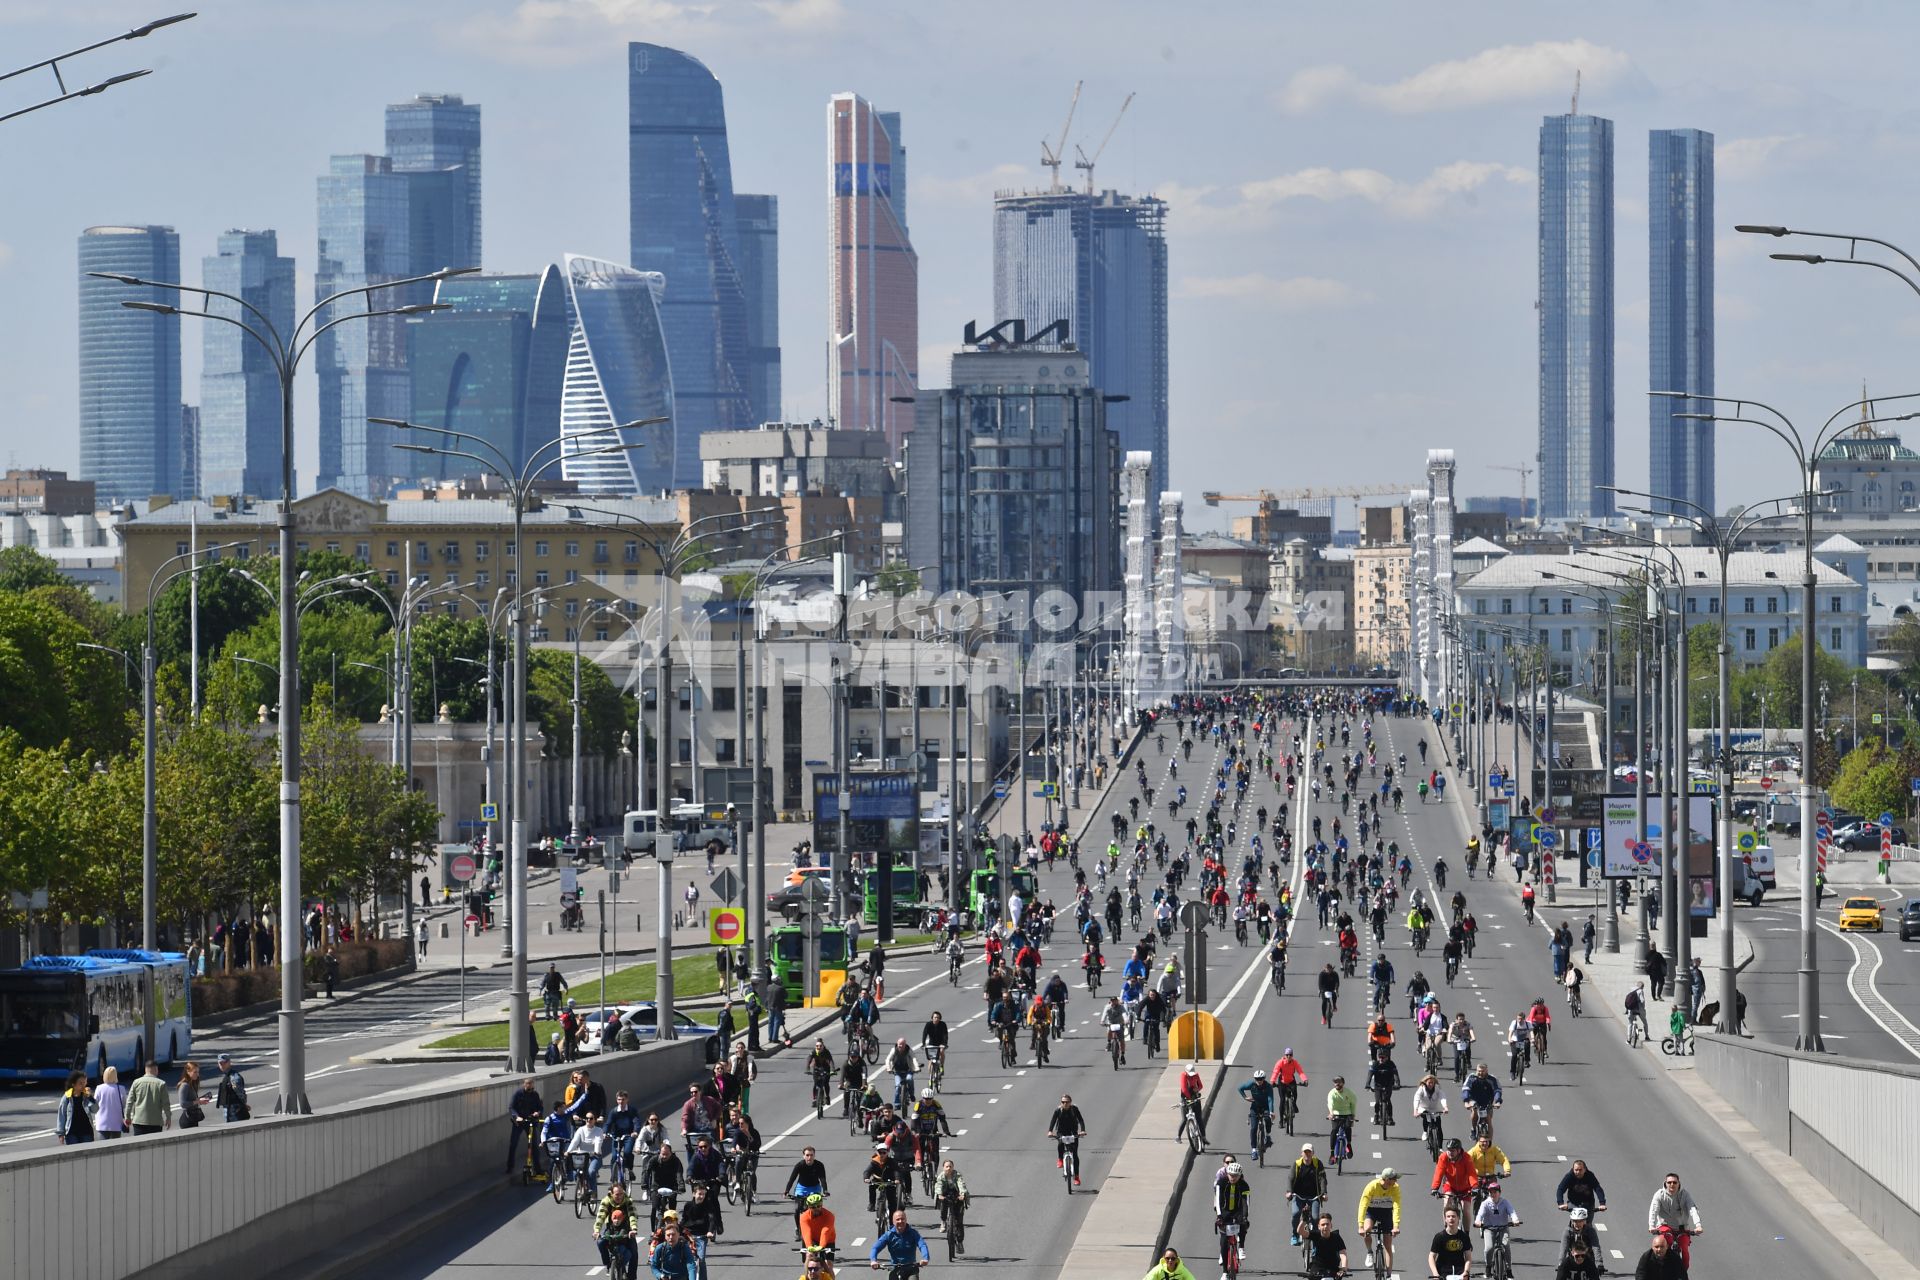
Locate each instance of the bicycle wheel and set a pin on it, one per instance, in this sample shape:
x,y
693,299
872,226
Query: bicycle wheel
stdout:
x,y
557,1184
1229,1255
748,1182
871,1050
582,1199
1669,1046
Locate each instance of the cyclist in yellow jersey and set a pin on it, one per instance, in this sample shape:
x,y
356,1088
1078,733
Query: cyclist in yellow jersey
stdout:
x,y
1379,1216
1488,1158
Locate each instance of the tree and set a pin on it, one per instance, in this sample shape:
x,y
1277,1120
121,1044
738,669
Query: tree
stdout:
x,y
228,603
363,831
52,690
897,580
23,569
445,651
1870,781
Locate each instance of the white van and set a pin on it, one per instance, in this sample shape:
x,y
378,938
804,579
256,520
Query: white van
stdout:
x,y
1761,860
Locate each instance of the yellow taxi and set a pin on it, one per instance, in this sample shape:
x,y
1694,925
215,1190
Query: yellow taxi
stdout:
x,y
1861,913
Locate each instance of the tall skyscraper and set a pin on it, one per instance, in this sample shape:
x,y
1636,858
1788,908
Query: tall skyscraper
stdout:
x,y
492,365
239,387
1098,262
190,475
1680,313
440,131
618,370
759,218
1576,317
130,404
873,274
683,227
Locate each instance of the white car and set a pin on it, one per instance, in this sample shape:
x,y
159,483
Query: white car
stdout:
x,y
643,1017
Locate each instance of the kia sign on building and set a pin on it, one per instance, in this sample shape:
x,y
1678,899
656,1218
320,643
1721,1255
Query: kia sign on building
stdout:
x,y
1620,831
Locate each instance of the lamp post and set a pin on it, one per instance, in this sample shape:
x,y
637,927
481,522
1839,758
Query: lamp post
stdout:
x,y
53,64
1806,455
519,483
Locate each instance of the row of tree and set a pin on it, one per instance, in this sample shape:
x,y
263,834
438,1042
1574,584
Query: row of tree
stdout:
x,y
71,760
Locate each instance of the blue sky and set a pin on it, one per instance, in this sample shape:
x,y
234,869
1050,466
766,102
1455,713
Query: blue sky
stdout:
x,y
1352,223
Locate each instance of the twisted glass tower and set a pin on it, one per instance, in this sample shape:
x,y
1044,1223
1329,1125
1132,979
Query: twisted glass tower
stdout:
x,y
618,370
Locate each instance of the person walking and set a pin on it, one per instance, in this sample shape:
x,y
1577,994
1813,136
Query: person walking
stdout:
x,y
73,1122
192,1101
231,1097
1586,939
147,1108
724,1027
1656,971
423,939
777,1013
110,1099
754,1009
330,970
1696,990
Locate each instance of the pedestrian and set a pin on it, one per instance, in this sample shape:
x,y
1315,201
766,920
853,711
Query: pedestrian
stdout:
x,y
1651,901
777,1013
1819,888
1656,971
423,939
426,891
724,1028
1558,949
723,965
110,1099
755,1007
744,1072
73,1122
1696,990
147,1108
877,966
1586,939
192,1108
231,1097
1519,867
330,970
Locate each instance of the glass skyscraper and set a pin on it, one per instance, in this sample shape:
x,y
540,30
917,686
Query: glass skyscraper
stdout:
x,y
435,132
618,370
130,408
1680,313
1576,317
364,225
759,218
873,274
239,388
492,366
683,227
1098,262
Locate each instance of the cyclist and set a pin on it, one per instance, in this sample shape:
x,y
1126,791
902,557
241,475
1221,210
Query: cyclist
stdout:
x,y
1288,1075
623,1130
1526,900
523,1109
1451,1252
1067,1122
1329,984
1328,1250
1579,1189
1192,1096
882,1176
1383,1077
1673,1210
933,1039
815,1224
1495,1215
1259,1095
703,1165
1341,1105
667,1174
928,1116
950,1186
807,1179
1579,1231
1580,1263
1113,1019
674,1257
1381,973
956,955
1349,947
906,1249
1170,1267
1636,1007
1429,1105
1539,1020
1488,1161
1453,1173
1306,1188
1379,1215
1662,1260
1230,1205
617,1202
903,1066
1481,1093
701,1224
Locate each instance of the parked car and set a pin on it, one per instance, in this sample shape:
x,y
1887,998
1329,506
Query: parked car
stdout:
x,y
1747,887
1862,913
1746,807
1626,773
1866,835
644,1019
1910,920
784,898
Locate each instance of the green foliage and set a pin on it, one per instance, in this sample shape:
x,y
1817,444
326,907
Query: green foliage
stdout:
x,y
605,711
362,831
445,651
897,580
1871,780
23,569
52,690
228,603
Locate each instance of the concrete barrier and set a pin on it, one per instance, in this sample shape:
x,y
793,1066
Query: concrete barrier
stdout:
x,y
265,1196
1849,1124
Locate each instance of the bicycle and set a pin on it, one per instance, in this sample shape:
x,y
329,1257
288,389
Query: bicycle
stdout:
x,y
530,1171
1229,1230
1573,1002
1193,1125
1462,1052
822,1093
1009,1055
559,1169
1540,1041
1038,1043
953,970
1341,1147
953,1223
936,1065
1678,1047
1070,1160
1480,1122
1376,1247
1116,1047
1305,1213
1636,1029
886,1198
1453,969
1289,1109
1328,1003
1262,1136
1499,1254
1433,1056
929,1161
1517,1062
1278,977
1383,1107
585,1202
1436,1140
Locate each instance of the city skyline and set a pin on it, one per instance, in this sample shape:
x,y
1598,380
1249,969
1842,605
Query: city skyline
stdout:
x,y
239,387
1366,263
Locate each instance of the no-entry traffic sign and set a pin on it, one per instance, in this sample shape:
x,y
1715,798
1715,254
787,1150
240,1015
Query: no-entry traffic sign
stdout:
x,y
461,868
726,926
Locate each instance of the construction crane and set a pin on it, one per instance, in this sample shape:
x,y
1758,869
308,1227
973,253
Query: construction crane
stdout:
x,y
1084,162
1524,473
1050,157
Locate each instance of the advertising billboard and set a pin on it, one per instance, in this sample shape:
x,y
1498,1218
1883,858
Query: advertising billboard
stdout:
x,y
884,815
1619,832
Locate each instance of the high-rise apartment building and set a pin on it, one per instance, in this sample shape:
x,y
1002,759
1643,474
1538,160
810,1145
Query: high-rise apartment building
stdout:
x,y
873,274
239,386
683,226
1098,262
618,371
130,416
759,220
1576,317
492,365
1013,478
438,132
1680,315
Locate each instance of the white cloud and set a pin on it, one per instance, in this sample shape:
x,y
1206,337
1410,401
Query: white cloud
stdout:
x,y
1293,293
973,188
1493,75
552,32
1748,157
798,15
1253,204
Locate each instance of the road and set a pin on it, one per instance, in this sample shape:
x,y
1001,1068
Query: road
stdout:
x,y
1596,1100
1023,1219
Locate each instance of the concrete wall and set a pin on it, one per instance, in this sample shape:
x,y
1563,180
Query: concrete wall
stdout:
x,y
1849,1124
257,1197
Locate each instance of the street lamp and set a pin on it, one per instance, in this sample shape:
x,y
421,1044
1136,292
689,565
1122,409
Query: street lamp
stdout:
x,y
519,483
53,64
1806,455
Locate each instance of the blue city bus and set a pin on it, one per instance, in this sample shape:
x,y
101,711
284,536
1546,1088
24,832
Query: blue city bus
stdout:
x,y
90,1012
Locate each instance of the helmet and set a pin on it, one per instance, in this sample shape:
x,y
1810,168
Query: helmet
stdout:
x,y
1492,1185
881,1146
1171,967
1259,1074
926,1093
1191,1070
1389,1175
815,1200
1578,1214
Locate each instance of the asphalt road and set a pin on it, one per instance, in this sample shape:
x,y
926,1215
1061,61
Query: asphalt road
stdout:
x,y
1596,1100
1023,1218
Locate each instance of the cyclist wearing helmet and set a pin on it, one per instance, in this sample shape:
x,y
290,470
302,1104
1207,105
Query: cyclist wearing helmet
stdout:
x,y
1379,1214
928,1116
816,1223
1579,1231
1259,1095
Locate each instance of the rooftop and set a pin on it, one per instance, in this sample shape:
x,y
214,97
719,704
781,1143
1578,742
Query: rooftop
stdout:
x,y
1700,564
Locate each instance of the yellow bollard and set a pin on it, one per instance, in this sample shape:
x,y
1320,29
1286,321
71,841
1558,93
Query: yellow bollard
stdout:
x,y
1196,1034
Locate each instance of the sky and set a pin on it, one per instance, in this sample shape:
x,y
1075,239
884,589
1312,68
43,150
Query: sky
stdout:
x,y
1352,193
